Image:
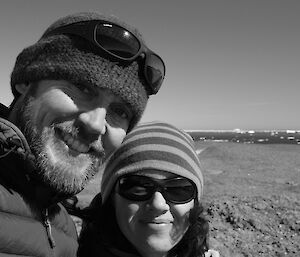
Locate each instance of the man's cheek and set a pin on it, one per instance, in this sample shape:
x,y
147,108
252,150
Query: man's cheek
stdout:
x,y
113,139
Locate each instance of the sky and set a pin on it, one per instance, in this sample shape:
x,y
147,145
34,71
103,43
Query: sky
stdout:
x,y
229,64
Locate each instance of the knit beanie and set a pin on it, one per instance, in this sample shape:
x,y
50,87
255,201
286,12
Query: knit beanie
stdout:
x,y
71,58
153,146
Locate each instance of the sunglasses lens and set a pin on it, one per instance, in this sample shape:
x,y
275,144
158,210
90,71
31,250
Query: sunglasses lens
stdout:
x,y
117,40
135,188
154,72
141,188
179,190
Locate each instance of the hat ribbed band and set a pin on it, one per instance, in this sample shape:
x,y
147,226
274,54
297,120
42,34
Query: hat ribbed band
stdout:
x,y
154,146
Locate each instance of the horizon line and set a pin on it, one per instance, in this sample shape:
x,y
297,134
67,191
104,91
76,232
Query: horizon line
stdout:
x,y
244,130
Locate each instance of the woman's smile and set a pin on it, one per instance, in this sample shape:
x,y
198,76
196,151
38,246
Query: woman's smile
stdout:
x,y
158,223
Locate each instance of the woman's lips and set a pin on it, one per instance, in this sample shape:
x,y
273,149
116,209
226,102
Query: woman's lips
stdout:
x,y
157,222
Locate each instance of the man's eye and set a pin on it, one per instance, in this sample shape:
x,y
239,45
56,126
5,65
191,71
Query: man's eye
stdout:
x,y
84,89
122,112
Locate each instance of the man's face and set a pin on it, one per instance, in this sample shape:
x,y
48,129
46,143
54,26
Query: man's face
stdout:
x,y
71,129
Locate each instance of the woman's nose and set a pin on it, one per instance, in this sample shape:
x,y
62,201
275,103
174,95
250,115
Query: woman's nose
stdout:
x,y
93,121
158,202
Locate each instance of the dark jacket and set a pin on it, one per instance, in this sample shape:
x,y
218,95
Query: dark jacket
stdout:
x,y
100,238
32,223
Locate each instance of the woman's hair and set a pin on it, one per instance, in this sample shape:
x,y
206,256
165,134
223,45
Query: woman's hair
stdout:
x,y
195,241
193,244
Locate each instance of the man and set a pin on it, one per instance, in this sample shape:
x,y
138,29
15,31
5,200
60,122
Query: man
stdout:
x,y
77,92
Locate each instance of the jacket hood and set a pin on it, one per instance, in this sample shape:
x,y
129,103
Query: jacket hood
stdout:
x,y
18,166
11,138
13,142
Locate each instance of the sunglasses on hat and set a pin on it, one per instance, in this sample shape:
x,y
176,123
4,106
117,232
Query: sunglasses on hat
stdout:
x,y
177,190
118,43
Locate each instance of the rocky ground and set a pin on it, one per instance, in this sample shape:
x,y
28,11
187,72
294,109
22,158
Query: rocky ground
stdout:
x,y
255,226
251,198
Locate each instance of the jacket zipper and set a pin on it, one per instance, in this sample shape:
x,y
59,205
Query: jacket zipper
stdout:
x,y
47,225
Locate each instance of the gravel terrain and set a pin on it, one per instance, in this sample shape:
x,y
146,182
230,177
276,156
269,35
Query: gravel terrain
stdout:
x,y
252,198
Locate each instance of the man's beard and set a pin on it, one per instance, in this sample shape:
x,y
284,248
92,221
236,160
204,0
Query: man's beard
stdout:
x,y
65,173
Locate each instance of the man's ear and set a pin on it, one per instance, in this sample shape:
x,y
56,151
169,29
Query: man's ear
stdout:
x,y
22,88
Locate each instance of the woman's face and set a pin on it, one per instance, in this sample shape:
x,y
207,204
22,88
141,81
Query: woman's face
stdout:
x,y
153,226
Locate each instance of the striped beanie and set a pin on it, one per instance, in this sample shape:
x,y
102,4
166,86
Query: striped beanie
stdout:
x,y
71,58
153,146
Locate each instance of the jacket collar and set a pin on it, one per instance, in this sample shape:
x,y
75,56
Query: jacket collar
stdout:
x,y
12,140
119,253
18,166
17,161
3,111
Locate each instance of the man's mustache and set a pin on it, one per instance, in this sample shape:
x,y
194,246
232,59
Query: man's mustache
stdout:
x,y
94,143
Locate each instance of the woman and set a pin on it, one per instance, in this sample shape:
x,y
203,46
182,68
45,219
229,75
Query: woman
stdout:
x,y
151,199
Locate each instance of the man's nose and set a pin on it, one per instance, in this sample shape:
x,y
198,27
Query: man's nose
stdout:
x,y
93,121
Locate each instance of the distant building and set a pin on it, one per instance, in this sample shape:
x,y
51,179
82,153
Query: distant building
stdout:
x,y
290,131
290,138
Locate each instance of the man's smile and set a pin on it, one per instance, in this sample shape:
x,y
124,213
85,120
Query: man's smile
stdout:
x,y
74,144
71,142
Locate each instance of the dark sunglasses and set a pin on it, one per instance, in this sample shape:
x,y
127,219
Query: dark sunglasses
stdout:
x,y
177,190
118,43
